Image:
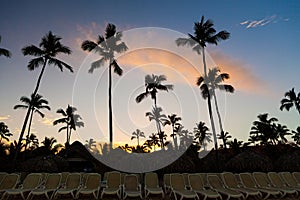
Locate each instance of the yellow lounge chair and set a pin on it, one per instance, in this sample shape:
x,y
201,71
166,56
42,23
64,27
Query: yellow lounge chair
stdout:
x,y
131,187
290,180
277,182
113,185
197,185
178,188
152,186
91,185
71,186
262,181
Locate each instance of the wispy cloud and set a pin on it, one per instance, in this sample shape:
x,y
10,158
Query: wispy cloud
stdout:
x,y
4,117
262,22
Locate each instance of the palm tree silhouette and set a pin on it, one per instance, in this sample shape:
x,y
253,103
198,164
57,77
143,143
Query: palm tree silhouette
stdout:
x,y
70,119
91,143
35,103
32,141
137,134
4,132
204,33
4,52
224,137
49,143
290,100
106,47
154,140
47,51
173,120
296,135
186,137
201,137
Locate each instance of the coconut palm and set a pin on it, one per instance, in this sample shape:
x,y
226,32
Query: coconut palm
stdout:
x,y
281,131
70,119
154,140
4,52
91,143
49,143
137,134
204,33
107,46
291,99
4,132
173,120
35,103
201,137
296,135
32,141
49,48
224,137
185,136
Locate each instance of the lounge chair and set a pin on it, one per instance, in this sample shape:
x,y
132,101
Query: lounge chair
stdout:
x,y
167,183
9,181
197,185
131,187
91,185
277,182
31,182
262,181
2,175
297,176
290,180
178,188
230,182
70,187
216,183
152,186
51,184
113,185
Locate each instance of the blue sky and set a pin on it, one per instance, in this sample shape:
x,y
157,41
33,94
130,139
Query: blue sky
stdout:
x,y
261,56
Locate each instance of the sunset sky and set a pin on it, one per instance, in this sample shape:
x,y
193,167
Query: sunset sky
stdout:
x,y
261,56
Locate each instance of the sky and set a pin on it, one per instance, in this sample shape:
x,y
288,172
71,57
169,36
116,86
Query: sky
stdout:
x,y
261,57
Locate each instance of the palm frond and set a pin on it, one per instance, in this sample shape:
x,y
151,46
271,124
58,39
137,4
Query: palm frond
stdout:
x,y
62,128
96,64
185,42
60,64
40,113
5,52
117,68
59,121
120,48
20,106
88,45
110,30
35,63
32,50
140,97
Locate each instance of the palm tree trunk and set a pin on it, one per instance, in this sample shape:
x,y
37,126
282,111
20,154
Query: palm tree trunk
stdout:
x,y
68,134
159,127
220,120
69,139
174,140
29,126
110,106
204,62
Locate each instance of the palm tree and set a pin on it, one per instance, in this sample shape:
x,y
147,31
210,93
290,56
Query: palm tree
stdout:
x,y
186,137
280,132
4,52
201,136
106,47
4,132
296,135
224,136
49,143
173,120
47,51
91,143
154,140
137,134
70,119
290,100
204,33
32,141
36,102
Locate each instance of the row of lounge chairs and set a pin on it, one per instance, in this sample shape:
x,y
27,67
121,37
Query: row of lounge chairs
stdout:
x,y
225,185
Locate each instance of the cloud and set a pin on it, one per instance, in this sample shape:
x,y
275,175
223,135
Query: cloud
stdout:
x,y
262,22
46,121
4,117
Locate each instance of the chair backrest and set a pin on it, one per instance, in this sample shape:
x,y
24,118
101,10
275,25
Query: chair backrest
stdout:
x,y
53,181
261,179
186,178
167,180
2,175
275,179
32,180
196,182
93,181
151,180
288,179
177,182
114,179
131,182
215,182
204,178
247,180
296,176
229,180
64,176
9,181
73,181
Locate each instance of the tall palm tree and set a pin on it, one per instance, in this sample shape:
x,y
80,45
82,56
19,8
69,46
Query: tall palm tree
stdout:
x,y
224,137
70,119
36,103
204,33
4,52
291,99
137,134
4,132
49,48
296,135
173,120
201,136
107,46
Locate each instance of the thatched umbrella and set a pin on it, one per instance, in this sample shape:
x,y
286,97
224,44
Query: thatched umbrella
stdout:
x,y
288,162
249,162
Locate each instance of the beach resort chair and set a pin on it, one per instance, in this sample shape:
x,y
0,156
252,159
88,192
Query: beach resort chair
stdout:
x,y
178,188
152,185
2,175
167,183
9,181
216,183
290,181
262,181
50,185
70,187
64,176
31,182
131,187
297,177
277,182
204,178
197,185
91,185
230,182
113,184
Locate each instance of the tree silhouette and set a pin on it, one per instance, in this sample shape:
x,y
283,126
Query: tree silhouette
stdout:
x,y
70,119
36,103
91,143
107,46
224,137
4,132
201,136
4,52
47,51
154,140
32,141
173,120
137,134
296,135
49,143
185,136
290,100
